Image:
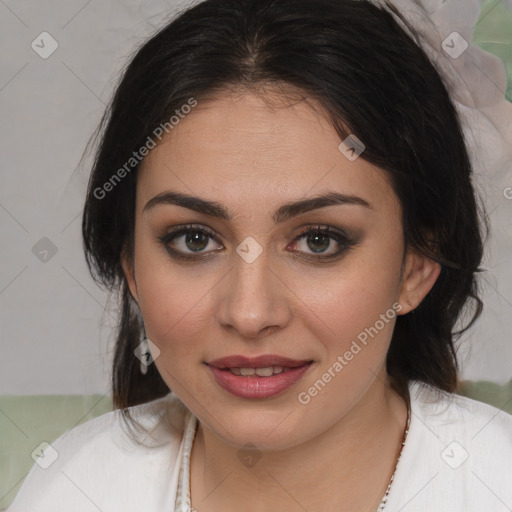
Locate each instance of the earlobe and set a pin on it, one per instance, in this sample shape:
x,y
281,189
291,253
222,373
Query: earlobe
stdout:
x,y
419,276
129,274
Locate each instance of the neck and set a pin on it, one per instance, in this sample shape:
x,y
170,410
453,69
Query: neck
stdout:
x,y
347,467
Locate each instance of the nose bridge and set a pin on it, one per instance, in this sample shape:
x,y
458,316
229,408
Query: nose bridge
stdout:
x,y
253,297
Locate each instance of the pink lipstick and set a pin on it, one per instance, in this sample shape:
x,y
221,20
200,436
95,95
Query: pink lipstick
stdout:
x,y
257,377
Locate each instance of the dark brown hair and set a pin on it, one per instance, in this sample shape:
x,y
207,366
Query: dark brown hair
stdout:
x,y
372,80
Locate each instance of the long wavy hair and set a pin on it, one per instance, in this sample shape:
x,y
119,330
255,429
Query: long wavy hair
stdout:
x,y
372,80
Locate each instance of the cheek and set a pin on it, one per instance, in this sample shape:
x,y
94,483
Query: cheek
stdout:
x,y
352,324
353,319
354,295
176,321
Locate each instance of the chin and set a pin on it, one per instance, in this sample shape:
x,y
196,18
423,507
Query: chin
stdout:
x,y
266,430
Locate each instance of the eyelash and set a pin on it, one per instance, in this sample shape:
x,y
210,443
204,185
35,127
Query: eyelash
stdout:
x,y
335,234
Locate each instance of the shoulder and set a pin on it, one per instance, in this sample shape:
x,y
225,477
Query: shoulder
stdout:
x,y
457,455
465,429
461,416
105,464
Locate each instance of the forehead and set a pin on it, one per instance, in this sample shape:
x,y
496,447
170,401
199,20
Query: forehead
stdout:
x,y
244,149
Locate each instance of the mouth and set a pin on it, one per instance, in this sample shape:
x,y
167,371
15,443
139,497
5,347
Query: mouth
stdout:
x,y
257,377
264,366
267,371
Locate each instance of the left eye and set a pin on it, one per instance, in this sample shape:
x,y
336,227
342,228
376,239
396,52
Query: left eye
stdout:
x,y
318,240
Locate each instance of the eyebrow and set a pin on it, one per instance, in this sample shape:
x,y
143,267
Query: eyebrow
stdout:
x,y
283,213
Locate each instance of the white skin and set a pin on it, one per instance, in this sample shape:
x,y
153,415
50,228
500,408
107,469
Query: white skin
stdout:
x,y
338,452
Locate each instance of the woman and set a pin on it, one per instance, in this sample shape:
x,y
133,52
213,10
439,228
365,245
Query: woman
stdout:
x,y
284,198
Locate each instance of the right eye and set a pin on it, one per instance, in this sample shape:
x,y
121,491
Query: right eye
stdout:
x,y
184,242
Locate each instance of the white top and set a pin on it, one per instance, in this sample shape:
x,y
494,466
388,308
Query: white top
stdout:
x,y
458,457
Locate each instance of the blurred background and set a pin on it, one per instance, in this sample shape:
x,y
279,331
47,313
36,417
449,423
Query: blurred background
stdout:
x,y
59,64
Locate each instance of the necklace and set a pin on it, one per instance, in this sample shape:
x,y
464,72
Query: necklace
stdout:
x,y
183,492
404,438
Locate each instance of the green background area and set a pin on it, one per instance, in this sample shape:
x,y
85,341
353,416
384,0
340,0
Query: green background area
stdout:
x,y
493,33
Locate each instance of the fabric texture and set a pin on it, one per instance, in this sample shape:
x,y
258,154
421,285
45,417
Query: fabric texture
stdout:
x,y
458,457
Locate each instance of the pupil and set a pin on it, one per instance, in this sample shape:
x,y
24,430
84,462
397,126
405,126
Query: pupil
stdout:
x,y
316,237
197,237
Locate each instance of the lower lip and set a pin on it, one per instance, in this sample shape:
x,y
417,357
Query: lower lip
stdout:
x,y
258,387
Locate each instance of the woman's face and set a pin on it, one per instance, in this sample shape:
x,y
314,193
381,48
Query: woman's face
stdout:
x,y
258,284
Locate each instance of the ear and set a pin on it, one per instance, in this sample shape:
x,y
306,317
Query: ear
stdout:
x,y
419,276
129,274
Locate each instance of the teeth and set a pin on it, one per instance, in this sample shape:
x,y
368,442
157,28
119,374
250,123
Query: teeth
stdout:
x,y
265,372
261,372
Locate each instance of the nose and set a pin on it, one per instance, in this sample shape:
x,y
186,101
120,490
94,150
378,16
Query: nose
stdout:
x,y
254,300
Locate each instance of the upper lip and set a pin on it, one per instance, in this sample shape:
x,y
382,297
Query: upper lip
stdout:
x,y
263,361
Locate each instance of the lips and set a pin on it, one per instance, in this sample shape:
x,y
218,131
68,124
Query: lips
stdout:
x,y
257,377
